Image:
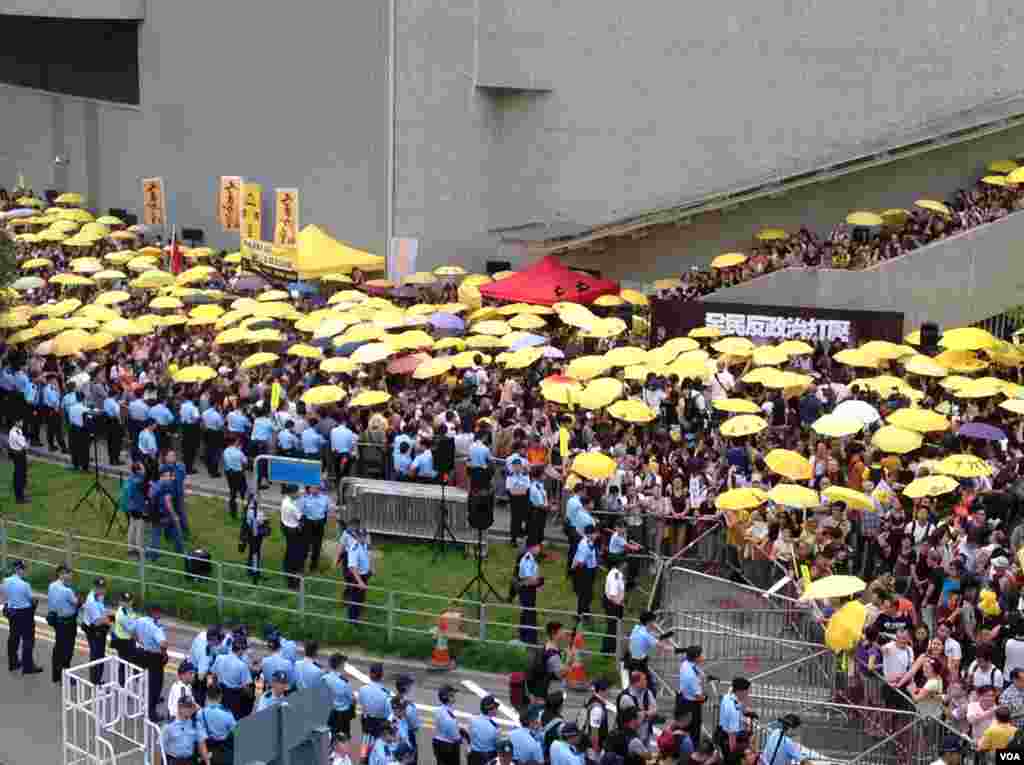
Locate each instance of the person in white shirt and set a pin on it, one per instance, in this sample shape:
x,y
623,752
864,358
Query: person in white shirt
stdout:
x,y
951,648
614,606
722,382
1014,650
897,659
17,448
981,713
982,671
181,687
294,539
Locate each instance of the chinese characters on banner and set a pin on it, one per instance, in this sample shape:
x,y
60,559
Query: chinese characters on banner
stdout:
x,y
229,202
779,327
675,317
154,203
252,211
286,221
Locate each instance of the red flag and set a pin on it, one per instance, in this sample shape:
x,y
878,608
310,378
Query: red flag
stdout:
x,y
176,256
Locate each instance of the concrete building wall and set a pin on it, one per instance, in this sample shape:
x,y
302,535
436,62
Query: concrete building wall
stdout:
x,y
955,282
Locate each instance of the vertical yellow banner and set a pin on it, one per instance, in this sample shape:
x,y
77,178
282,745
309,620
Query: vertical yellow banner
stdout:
x,y
286,220
229,202
252,211
154,203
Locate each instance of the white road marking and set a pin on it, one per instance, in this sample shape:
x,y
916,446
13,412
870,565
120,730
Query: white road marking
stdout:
x,y
505,710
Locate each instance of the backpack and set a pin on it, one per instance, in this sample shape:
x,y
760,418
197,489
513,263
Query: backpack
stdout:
x,y
583,719
551,733
691,412
538,677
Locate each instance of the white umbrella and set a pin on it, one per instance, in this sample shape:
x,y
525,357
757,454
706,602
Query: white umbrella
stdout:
x,y
21,212
858,410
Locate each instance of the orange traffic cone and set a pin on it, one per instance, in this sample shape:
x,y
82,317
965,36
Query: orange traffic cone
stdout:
x,y
440,658
576,679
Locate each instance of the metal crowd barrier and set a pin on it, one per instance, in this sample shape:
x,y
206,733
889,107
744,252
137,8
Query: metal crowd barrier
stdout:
x,y
411,510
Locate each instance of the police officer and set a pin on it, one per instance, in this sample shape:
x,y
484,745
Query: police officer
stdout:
x,y
121,639
261,440
530,581
188,416
517,484
147,449
17,449
277,662
181,687
506,753
410,714
308,673
642,641
52,417
342,700
161,414
383,747
780,748
234,675
691,695
138,416
79,435
376,704
114,427
343,448
151,650
447,733
357,575
63,603
483,733
525,740
206,646
213,439
235,463
584,567
218,725
566,751
31,393
182,738
402,749
314,506
286,440
731,725
279,684
96,625
538,516
20,608
480,462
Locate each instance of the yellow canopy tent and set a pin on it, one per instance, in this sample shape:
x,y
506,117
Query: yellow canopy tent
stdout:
x,y
317,253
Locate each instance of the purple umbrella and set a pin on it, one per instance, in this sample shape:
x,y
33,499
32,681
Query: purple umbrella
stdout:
x,y
550,352
21,212
248,283
447,321
981,431
528,341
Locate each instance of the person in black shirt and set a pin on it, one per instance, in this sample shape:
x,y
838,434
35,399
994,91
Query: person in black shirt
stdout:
x,y
890,621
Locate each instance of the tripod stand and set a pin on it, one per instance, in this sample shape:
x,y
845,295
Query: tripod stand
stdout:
x,y
443,536
480,582
98,488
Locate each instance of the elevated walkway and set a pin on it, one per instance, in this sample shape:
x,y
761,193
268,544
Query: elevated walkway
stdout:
x,y
958,281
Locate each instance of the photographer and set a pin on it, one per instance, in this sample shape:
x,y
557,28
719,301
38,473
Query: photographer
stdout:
x,y
780,749
730,736
251,533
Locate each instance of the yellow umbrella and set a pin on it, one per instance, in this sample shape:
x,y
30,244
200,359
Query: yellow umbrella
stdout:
x,y
1014,405
94,230
338,366
232,336
83,322
413,339
729,260
323,394
196,373
523,358
109,275
72,280
23,336
449,271
527,321
845,627
110,220
795,347
484,342
740,499
69,198
371,353
996,180
784,380
122,327
207,311
99,340
600,393
194,275
964,466
360,333
1002,166
794,495
475,280
165,303
35,263
625,356
894,440
667,284
69,342
864,219
271,296
734,346
123,236
273,310
634,298
965,362
735,406
420,278
930,486
566,393
64,307
760,376
495,328
769,356
27,201
835,586
82,216
919,420
142,263
853,498
258,360
370,398
265,336
609,301
594,466
837,426
234,259
99,312
925,366
772,234
882,349
967,339
631,410
704,332
305,351
197,253
446,343
587,367
119,258
983,388
856,358
743,425
152,280
790,464
605,328
432,368
13,321
933,206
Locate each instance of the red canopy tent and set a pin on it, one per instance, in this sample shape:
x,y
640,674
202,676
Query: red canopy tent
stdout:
x,y
549,281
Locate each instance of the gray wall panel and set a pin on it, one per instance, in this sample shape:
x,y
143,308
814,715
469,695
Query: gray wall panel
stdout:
x,y
77,9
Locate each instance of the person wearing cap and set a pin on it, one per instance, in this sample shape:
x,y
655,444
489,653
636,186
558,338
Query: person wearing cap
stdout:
x,y
595,716
235,463
642,641
218,725
614,602
314,506
584,567
234,676
638,696
375,702
294,539
691,696
19,608
565,751
204,649
17,449
63,603
96,625
342,699
404,748
530,581
381,751
483,733
308,672
779,747
277,662
951,750
280,682
151,653
121,639
181,687
357,576
526,739
447,733
538,514
731,724
411,714
182,738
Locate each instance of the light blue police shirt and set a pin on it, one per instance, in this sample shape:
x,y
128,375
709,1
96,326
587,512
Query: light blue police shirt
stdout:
x,y
341,691
17,593
234,459
641,642
62,599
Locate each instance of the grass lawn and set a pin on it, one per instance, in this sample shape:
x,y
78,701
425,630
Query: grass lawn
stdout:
x,y
409,589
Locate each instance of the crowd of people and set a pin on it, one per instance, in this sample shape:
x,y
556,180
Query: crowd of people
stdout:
x,y
526,409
